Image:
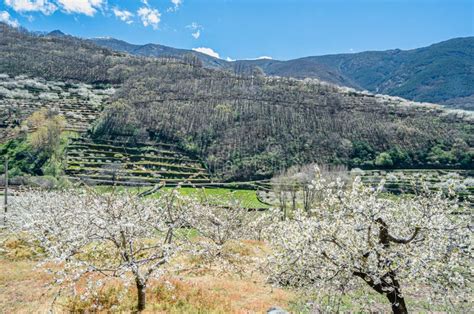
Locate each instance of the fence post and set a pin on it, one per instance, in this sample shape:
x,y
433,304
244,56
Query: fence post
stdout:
x,y
5,204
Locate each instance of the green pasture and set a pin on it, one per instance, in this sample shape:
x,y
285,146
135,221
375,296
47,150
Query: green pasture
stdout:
x,y
215,196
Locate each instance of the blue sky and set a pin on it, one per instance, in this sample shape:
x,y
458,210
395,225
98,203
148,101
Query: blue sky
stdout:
x,y
240,29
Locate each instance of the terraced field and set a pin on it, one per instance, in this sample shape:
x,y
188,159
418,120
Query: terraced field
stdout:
x,y
20,96
400,181
95,162
105,162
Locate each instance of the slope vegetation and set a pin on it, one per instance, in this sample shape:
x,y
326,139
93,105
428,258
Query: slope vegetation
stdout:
x,y
244,126
441,73
21,96
251,127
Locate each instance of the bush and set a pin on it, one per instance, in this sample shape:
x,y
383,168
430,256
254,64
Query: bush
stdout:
x,y
44,182
384,160
53,167
440,156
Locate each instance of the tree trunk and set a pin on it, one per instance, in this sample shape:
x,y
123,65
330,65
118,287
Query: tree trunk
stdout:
x,y
5,210
394,297
141,296
398,303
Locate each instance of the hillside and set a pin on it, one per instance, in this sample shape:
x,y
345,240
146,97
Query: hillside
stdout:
x,y
441,73
243,127
155,50
251,127
435,74
21,96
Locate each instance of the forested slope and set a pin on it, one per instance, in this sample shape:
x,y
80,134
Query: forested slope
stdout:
x,y
246,126
249,127
156,50
61,58
440,73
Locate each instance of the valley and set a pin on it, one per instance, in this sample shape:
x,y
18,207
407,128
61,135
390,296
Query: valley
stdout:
x,y
161,180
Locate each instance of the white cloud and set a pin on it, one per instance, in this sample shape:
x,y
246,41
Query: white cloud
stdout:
x,y
259,58
47,7
193,25
196,34
196,29
123,15
5,17
207,51
43,6
229,59
87,7
149,16
176,4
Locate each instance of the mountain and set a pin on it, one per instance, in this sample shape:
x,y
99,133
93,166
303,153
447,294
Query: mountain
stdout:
x,y
242,126
441,73
437,73
155,50
56,33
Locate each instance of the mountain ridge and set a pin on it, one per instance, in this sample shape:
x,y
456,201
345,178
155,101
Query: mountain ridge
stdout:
x,y
440,73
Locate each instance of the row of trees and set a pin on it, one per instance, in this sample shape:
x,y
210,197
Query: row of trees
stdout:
x,y
457,155
349,236
356,235
294,188
121,236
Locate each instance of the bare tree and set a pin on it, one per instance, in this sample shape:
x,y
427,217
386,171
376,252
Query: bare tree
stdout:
x,y
280,189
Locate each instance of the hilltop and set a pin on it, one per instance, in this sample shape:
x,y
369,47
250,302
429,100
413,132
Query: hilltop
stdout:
x,y
441,73
156,50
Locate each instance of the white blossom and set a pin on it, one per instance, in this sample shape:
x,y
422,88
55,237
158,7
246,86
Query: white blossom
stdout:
x,y
120,236
355,235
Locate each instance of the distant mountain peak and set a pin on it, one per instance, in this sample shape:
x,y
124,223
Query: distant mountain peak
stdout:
x,y
56,33
430,74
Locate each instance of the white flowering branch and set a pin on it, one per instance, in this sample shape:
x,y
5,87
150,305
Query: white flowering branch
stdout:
x,y
114,235
419,240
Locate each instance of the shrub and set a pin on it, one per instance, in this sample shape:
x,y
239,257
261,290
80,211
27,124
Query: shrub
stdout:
x,y
384,160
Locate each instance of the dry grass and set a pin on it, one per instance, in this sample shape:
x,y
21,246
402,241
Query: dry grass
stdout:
x,y
14,248
188,295
24,289
248,295
198,288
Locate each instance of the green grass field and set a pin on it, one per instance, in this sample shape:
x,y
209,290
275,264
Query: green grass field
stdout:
x,y
225,197
215,196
